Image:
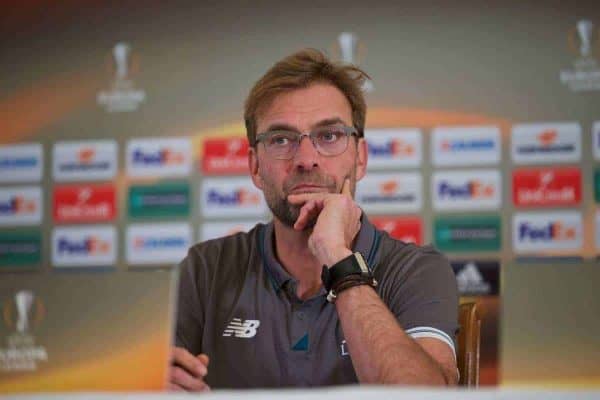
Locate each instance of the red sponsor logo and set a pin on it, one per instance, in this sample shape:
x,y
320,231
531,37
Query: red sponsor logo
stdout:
x,y
547,187
406,229
84,203
225,156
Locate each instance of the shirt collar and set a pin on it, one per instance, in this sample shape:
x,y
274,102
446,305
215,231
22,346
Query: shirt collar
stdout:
x,y
364,243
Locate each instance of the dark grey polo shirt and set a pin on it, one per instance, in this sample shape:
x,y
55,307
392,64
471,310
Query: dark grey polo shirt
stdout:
x,y
239,305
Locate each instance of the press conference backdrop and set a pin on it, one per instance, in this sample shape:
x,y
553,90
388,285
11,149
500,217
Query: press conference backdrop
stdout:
x,y
122,141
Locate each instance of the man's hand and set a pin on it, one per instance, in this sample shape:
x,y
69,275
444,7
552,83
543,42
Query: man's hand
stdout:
x,y
187,372
337,222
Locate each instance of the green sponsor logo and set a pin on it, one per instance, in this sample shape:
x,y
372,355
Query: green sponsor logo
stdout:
x,y
159,201
20,248
597,185
472,233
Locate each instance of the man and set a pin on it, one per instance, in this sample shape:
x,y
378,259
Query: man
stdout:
x,y
318,296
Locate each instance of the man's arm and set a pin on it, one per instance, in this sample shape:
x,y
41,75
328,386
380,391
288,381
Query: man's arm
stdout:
x,y
380,349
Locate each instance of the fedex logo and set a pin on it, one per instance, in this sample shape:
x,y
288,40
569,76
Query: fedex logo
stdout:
x,y
394,148
159,157
20,205
390,192
161,243
84,160
546,143
466,189
406,229
465,145
93,245
164,156
21,162
231,197
547,187
551,231
225,156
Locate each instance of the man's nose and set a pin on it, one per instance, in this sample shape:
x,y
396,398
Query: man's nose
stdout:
x,y
306,156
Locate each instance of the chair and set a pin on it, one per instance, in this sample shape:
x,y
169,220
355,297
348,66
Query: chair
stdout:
x,y
469,335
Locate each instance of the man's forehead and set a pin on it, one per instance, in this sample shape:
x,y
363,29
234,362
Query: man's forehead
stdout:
x,y
305,108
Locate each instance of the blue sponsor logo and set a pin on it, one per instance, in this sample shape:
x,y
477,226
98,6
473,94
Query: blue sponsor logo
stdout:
x,y
468,145
160,243
235,198
18,163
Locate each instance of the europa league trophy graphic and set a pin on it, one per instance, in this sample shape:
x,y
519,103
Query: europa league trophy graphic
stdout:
x,y
348,43
121,55
585,29
24,301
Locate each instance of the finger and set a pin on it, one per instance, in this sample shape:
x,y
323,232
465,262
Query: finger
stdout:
x,y
346,187
182,378
306,212
181,357
204,359
173,387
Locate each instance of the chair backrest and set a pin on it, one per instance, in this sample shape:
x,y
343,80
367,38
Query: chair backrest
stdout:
x,y
469,335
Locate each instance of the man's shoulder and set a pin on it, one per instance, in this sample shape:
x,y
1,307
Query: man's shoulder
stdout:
x,y
229,251
407,257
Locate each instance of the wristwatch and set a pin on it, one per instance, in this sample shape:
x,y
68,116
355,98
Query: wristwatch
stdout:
x,y
346,273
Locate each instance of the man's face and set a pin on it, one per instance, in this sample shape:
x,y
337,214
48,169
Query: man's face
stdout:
x,y
302,110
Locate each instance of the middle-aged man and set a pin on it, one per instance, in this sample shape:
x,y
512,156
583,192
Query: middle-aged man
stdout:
x,y
318,296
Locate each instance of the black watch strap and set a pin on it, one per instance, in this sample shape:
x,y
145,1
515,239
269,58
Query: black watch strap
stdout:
x,y
354,264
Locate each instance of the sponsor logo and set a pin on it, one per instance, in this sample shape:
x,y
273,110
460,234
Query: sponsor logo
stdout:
x,y
546,143
23,312
84,160
584,75
162,200
465,145
466,190
551,231
21,163
18,248
394,148
157,243
20,205
477,278
596,139
159,157
122,96
390,192
231,197
547,187
597,185
468,233
406,229
84,203
225,156
240,328
85,245
213,230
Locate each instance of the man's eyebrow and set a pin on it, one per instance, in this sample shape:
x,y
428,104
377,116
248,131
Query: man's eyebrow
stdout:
x,y
280,126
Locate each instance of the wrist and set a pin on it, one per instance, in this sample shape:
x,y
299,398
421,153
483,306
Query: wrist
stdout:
x,y
333,256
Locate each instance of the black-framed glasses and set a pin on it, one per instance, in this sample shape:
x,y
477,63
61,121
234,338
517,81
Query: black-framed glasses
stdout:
x,y
330,141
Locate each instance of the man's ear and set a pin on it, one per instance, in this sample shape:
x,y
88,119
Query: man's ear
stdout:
x,y
253,167
362,156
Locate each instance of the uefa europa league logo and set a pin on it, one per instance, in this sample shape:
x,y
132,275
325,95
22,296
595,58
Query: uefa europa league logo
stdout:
x,y
585,29
23,301
121,55
348,43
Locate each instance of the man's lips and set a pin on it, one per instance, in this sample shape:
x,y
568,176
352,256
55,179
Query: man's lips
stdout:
x,y
307,188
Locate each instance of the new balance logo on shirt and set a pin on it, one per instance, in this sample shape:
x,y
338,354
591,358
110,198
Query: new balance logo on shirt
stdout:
x,y
242,329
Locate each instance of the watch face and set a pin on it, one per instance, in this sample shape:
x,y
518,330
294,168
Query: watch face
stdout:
x,y
361,263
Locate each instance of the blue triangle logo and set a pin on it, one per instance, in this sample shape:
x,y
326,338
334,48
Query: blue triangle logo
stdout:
x,y
302,344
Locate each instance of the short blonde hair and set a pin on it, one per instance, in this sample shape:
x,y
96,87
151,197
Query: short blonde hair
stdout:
x,y
300,70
